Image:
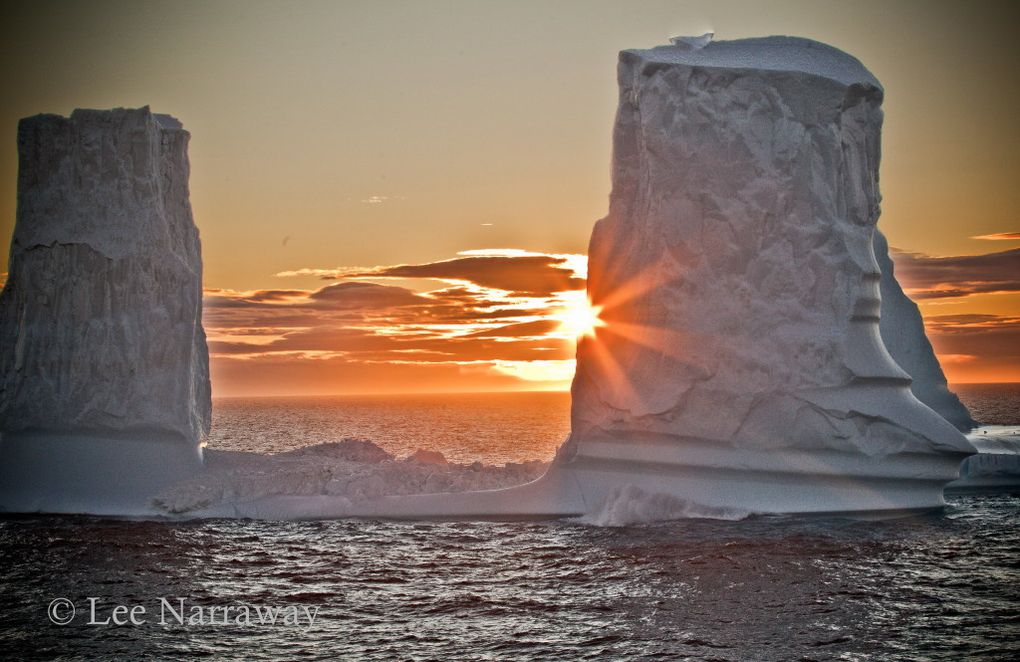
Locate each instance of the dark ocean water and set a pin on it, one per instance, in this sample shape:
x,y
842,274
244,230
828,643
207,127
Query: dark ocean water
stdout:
x,y
936,587
991,404
944,586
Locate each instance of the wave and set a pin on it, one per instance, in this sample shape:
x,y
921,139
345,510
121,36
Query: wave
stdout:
x,y
630,505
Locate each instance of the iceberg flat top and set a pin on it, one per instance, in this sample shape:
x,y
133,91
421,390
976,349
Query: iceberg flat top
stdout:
x,y
794,54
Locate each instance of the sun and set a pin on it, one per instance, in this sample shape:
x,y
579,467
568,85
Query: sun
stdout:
x,y
577,316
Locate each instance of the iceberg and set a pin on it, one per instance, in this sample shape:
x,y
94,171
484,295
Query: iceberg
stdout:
x,y
742,356
104,371
743,365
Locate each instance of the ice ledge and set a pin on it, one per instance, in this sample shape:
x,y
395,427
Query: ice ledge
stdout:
x,y
777,53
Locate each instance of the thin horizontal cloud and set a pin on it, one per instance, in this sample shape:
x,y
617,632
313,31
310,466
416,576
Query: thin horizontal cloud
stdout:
x,y
976,347
521,272
999,236
925,277
521,329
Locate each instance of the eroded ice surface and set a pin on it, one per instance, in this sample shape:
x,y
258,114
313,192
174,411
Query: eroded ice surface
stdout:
x,y
741,368
735,267
101,315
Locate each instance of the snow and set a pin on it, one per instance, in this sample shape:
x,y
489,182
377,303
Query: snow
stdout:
x,y
101,341
795,55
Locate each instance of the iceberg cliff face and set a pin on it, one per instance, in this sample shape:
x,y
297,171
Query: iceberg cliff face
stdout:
x,y
100,319
903,334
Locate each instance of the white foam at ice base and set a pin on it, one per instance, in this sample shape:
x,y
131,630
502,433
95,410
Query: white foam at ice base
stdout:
x,y
996,467
630,505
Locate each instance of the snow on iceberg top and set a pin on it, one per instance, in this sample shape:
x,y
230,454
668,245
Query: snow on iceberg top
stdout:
x,y
764,53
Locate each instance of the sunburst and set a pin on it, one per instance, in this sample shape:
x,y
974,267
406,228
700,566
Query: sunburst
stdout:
x,y
577,316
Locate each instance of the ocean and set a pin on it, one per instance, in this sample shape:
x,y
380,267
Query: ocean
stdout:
x,y
944,586
494,428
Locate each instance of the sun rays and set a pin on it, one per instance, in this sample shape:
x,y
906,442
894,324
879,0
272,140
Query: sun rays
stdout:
x,y
485,319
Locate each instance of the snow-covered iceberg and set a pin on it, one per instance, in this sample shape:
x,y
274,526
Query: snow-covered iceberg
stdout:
x,y
104,374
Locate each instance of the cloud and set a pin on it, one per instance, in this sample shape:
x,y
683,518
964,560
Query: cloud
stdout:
x,y
925,277
520,272
493,322
521,329
533,275
364,296
999,236
977,347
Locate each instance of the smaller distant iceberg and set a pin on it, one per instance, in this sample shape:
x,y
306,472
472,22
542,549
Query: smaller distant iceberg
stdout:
x,y
104,371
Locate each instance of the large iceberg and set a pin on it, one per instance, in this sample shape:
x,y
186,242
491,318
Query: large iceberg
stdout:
x,y
742,355
104,371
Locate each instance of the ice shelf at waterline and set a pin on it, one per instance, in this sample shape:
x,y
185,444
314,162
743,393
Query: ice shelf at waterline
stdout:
x,y
104,376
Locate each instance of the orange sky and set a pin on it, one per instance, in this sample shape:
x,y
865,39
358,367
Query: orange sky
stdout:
x,y
373,143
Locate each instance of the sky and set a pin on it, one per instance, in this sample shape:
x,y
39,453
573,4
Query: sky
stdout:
x,y
397,196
